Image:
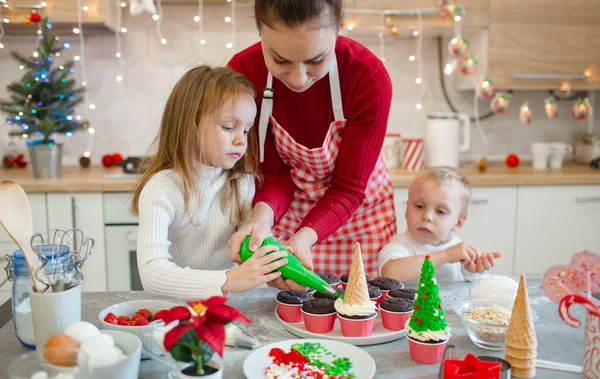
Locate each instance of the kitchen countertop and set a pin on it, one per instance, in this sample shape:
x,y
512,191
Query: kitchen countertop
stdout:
x,y
392,359
99,179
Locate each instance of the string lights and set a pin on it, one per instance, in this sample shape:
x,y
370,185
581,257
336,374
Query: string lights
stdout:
x,y
4,5
84,78
118,30
199,18
231,45
419,79
158,18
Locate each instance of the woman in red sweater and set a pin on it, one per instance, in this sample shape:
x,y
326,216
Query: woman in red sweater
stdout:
x,y
324,103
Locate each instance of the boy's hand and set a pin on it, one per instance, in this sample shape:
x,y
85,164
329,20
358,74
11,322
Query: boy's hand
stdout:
x,y
485,262
462,252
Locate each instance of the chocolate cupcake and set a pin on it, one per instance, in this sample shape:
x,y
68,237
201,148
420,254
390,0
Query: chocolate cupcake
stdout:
x,y
397,305
319,306
292,297
344,278
403,293
321,295
386,284
329,278
374,292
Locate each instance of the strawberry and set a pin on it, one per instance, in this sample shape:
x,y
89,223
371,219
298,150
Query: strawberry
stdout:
x,y
145,313
122,320
131,323
111,318
138,317
160,314
141,322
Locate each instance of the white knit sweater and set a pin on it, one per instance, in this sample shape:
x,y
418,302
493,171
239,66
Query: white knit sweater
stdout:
x,y
183,258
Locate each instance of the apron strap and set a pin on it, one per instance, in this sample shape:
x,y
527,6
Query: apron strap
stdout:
x,y
266,108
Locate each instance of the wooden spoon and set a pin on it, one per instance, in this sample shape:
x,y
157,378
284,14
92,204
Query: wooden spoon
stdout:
x,y
15,217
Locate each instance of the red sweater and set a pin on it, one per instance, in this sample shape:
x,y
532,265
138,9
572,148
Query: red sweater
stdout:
x,y
366,97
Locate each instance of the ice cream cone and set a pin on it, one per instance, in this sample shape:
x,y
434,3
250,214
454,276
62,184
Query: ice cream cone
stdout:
x,y
522,373
520,353
520,337
357,292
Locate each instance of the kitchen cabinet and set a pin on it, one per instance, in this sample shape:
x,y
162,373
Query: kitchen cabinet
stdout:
x,y
543,37
553,223
83,211
490,223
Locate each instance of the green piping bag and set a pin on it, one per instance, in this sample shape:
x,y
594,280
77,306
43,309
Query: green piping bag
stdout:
x,y
293,270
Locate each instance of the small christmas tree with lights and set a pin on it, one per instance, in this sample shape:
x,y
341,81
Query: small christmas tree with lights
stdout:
x,y
429,315
42,102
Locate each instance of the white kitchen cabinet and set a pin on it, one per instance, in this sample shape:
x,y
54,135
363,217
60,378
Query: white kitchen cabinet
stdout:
x,y
39,217
83,211
490,225
553,223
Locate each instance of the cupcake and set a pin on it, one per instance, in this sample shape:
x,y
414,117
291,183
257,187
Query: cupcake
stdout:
x,y
319,315
427,330
356,311
344,280
386,285
404,293
374,294
289,303
395,312
331,279
322,295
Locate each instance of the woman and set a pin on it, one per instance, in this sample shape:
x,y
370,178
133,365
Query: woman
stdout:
x,y
324,103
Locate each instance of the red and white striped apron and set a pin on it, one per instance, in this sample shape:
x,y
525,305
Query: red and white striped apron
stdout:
x,y
373,223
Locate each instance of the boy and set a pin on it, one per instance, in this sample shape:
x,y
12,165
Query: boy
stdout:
x,y
438,199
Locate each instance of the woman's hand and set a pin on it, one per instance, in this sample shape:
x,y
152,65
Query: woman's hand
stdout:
x,y
259,227
258,269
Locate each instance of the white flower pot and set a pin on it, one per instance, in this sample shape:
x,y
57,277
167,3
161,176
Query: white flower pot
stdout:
x,y
216,375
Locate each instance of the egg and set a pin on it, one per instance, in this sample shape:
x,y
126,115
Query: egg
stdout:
x,y
61,350
101,355
98,339
40,375
81,331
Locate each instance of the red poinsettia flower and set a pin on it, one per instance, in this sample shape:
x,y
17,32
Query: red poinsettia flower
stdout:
x,y
207,317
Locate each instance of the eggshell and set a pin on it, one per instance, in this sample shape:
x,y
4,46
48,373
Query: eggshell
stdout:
x,y
61,350
81,331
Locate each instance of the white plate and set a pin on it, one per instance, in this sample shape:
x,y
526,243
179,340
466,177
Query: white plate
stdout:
x,y
255,363
380,334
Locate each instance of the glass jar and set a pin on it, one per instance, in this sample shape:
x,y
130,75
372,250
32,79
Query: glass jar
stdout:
x,y
59,258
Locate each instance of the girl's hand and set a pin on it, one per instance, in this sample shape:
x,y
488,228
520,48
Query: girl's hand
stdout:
x,y
257,270
259,227
485,262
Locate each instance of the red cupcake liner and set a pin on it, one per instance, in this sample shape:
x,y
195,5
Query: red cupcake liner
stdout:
x,y
426,353
289,312
343,285
357,328
319,323
384,295
394,320
377,300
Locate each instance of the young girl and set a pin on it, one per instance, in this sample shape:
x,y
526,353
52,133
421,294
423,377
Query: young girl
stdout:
x,y
197,188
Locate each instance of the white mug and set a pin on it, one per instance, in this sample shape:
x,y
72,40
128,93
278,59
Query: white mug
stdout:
x,y
540,154
559,149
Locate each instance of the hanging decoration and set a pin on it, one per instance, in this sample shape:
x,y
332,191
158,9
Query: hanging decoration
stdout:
x,y
458,46
35,17
581,109
118,30
486,89
565,88
525,114
447,6
468,65
551,107
388,22
138,6
500,104
394,31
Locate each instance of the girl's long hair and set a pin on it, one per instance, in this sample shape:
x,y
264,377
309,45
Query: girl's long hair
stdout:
x,y
195,101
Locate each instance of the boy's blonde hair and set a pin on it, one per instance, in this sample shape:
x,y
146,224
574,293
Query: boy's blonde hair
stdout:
x,y
444,175
195,100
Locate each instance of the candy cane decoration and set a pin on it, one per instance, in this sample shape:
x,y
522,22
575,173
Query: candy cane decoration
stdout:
x,y
568,300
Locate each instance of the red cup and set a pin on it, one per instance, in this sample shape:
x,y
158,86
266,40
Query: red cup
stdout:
x,y
289,312
377,299
319,323
394,320
357,327
343,285
335,285
426,353
384,295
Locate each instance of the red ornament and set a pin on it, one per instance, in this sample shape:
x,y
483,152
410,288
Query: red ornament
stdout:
x,y
428,256
418,320
117,158
35,18
440,306
512,160
108,161
424,295
417,307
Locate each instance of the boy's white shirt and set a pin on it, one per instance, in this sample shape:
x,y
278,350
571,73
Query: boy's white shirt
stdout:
x,y
403,245
179,257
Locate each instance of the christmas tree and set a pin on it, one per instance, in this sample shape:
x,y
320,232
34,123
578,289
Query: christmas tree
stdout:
x,y
43,101
428,313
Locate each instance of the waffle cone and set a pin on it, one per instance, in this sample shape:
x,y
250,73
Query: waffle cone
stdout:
x,y
357,292
521,332
522,373
524,364
520,353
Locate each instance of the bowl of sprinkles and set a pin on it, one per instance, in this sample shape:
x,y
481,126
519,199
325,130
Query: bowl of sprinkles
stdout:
x,y
309,359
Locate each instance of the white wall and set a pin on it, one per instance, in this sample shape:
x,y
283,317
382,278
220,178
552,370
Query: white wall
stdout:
x,y
128,113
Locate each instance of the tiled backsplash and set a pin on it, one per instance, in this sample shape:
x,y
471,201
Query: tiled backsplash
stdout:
x,y
127,113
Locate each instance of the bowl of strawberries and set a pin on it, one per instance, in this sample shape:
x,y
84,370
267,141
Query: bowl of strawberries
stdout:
x,y
135,317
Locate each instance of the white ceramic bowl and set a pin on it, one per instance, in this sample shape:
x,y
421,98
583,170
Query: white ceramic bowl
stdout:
x,y
129,308
128,368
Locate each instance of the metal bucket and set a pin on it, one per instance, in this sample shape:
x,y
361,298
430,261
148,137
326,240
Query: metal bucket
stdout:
x,y
46,159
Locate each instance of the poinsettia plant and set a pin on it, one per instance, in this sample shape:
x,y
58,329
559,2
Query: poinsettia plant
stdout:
x,y
201,330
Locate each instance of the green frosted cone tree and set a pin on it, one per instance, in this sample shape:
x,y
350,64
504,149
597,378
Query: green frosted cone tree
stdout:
x,y
43,100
